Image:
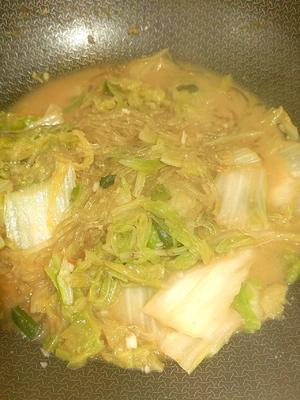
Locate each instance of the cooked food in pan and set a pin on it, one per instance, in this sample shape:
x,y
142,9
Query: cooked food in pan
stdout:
x,y
148,211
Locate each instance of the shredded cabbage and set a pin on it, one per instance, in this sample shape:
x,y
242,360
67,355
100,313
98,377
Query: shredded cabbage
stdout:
x,y
64,282
128,309
242,198
189,351
80,340
197,302
177,228
31,215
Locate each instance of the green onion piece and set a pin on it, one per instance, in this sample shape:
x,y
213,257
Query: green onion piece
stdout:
x,y
160,192
191,88
163,234
107,181
28,326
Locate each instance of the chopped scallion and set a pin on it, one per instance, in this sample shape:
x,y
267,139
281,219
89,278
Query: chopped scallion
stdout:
x,y
107,181
191,88
163,234
28,326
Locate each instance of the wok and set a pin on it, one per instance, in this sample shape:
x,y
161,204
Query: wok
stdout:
x,y
259,43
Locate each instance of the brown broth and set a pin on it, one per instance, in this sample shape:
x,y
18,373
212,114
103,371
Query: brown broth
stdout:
x,y
58,91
